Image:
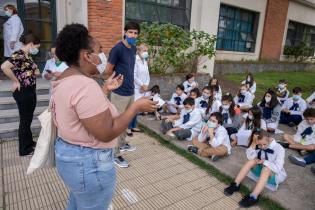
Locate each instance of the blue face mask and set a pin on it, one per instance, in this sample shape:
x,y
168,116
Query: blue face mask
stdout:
x,y
131,41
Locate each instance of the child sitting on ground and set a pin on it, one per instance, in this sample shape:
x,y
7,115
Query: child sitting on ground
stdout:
x,y
231,119
202,101
154,92
251,84
282,91
293,108
214,83
304,139
271,110
311,101
176,102
190,83
213,141
253,120
265,165
244,99
194,93
187,126
213,104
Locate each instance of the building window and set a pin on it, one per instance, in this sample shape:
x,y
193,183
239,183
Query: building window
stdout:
x,y
299,33
237,29
176,12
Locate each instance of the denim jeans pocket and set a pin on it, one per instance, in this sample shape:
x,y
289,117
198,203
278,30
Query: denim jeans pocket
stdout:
x,y
72,173
105,160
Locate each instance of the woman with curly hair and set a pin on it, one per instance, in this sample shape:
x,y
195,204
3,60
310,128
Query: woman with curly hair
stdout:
x,y
88,123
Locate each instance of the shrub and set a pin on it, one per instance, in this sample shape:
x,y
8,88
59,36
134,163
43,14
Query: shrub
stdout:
x,y
299,53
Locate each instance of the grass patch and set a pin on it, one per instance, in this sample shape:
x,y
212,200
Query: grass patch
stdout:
x,y
265,202
265,80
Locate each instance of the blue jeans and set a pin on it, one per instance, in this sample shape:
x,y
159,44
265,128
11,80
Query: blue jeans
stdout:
x,y
287,118
89,174
133,123
310,158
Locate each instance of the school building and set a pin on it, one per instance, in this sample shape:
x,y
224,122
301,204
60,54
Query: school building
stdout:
x,y
245,29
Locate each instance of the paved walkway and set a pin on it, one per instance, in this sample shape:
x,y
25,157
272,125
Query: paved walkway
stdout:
x,y
157,179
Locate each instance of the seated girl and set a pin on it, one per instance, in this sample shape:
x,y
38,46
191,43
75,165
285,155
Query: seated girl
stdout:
x,y
214,83
190,83
265,165
175,104
213,105
202,101
253,120
310,100
304,139
282,91
213,141
244,99
231,120
194,93
250,82
271,110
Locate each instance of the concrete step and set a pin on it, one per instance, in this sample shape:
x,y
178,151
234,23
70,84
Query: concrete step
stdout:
x,y
10,130
7,103
12,115
8,93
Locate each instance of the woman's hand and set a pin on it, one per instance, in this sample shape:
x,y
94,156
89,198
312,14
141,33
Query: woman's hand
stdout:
x,y
145,104
16,86
113,83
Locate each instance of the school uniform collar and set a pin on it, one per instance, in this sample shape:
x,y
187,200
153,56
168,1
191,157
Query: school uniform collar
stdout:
x,y
272,144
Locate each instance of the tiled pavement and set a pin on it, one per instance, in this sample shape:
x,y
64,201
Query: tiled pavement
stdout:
x,y
158,178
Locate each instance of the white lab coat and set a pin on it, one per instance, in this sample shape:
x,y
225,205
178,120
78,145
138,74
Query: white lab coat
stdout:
x,y
244,133
194,123
309,139
172,101
289,103
248,101
12,31
221,137
275,161
141,76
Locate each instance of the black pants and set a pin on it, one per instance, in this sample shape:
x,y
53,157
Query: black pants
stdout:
x,y
26,103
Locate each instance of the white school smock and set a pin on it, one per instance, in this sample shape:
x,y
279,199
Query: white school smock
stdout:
x,y
244,134
51,65
189,86
214,108
221,137
248,100
12,31
289,103
253,88
141,76
194,123
309,139
310,99
172,102
275,161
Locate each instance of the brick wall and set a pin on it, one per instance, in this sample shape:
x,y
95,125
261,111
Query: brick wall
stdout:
x,y
105,20
275,20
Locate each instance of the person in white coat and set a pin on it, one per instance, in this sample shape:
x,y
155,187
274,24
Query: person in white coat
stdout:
x,y
244,98
12,31
265,165
53,67
141,81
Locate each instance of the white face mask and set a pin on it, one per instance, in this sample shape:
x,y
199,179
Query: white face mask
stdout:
x,y
144,55
101,67
188,111
211,124
205,96
225,107
243,91
296,97
281,86
250,117
267,99
8,13
34,51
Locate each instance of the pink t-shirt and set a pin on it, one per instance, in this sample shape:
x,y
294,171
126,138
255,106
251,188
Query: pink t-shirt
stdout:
x,y
79,97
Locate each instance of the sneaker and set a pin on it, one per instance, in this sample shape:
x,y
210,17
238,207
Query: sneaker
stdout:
x,y
248,201
214,158
313,169
297,160
129,133
121,162
193,149
231,189
127,147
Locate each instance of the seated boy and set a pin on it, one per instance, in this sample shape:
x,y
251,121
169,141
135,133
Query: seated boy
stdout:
x,y
213,141
304,139
175,104
265,165
187,126
292,109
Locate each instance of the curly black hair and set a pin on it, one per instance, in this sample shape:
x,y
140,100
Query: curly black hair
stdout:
x,y
70,41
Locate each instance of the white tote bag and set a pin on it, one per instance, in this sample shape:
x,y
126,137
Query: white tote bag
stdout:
x,y
44,154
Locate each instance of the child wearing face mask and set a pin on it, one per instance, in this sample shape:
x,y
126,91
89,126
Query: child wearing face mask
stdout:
x,y
190,83
253,120
187,126
265,165
175,104
244,99
213,105
311,101
250,83
271,110
292,109
213,141
282,91
202,101
194,93
214,83
231,120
